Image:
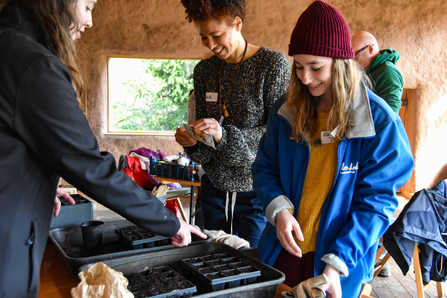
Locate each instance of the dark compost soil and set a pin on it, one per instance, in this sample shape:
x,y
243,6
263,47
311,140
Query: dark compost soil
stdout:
x,y
157,281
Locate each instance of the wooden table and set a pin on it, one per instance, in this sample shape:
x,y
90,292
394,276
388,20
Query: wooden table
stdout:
x,y
193,184
56,279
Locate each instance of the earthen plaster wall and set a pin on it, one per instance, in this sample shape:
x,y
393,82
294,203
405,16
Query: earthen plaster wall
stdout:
x,y
158,29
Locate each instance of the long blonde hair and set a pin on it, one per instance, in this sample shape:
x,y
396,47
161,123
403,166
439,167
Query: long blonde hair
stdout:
x,y
346,77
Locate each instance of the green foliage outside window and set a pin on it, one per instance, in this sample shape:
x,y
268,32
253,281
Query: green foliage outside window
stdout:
x,y
153,96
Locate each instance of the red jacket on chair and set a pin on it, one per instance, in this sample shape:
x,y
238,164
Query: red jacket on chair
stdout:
x,y
142,177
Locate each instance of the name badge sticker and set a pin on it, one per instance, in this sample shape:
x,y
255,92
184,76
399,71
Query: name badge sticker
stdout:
x,y
326,137
211,97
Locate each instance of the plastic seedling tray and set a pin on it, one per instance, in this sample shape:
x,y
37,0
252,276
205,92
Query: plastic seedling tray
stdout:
x,y
159,282
220,271
69,244
137,237
264,285
73,214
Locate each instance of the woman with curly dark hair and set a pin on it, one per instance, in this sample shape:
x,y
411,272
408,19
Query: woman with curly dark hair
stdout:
x,y
44,134
234,91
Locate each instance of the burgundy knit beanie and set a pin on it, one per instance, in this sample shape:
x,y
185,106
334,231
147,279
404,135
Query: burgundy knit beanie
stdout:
x,y
321,30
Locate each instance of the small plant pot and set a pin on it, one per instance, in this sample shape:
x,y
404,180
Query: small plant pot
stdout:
x,y
92,234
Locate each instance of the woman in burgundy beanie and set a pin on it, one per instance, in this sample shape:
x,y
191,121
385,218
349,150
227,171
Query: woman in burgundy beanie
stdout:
x,y
328,168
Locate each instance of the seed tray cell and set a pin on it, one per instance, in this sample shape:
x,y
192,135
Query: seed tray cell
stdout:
x,y
137,237
159,282
220,271
213,257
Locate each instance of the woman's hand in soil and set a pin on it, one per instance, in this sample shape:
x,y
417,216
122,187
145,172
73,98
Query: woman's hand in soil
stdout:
x,y
286,224
183,138
183,236
57,202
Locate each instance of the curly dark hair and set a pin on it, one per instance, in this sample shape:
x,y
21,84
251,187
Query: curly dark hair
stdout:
x,y
200,10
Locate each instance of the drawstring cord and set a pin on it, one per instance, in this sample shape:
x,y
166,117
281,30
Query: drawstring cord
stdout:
x,y
233,203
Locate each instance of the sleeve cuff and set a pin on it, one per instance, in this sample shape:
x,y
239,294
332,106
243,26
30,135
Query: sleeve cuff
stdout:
x,y
276,205
337,263
192,149
223,141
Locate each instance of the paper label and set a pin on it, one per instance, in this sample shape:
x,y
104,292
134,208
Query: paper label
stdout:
x,y
326,137
211,97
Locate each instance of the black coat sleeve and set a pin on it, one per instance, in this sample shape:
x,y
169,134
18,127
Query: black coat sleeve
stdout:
x,y
53,126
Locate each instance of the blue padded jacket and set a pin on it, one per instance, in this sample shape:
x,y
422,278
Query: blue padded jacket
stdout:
x,y
374,161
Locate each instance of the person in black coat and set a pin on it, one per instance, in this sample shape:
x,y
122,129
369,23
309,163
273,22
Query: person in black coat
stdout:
x,y
45,135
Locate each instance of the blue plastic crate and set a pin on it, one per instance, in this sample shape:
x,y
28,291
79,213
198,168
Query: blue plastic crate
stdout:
x,y
174,171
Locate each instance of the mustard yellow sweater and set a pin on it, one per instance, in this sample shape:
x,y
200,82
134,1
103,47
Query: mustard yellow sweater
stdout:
x,y
319,179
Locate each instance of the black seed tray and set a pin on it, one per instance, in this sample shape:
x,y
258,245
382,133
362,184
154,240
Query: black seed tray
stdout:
x,y
76,197
73,214
159,282
222,270
137,237
69,244
265,286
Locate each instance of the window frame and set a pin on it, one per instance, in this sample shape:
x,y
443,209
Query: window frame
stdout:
x,y
135,133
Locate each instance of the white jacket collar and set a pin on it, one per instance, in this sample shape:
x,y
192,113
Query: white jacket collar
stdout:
x,y
361,121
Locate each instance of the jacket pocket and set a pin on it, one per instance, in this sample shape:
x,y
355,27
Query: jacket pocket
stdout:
x,y
33,260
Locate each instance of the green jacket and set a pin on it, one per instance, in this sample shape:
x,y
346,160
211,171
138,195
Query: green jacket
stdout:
x,y
388,82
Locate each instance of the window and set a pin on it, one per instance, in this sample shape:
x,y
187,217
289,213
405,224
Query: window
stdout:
x,y
148,95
